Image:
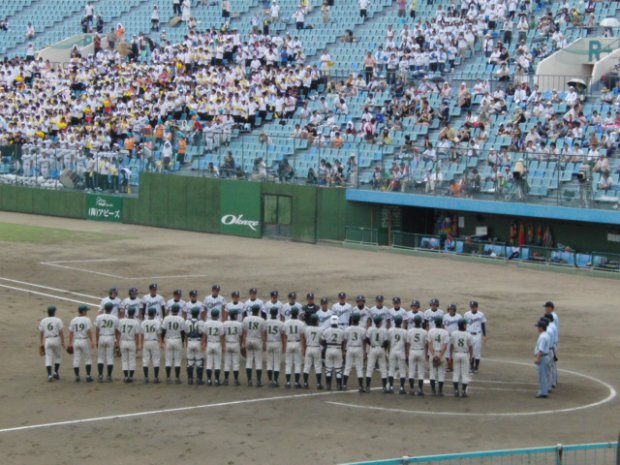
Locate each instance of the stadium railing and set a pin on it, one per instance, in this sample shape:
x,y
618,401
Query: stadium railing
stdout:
x,y
604,453
357,235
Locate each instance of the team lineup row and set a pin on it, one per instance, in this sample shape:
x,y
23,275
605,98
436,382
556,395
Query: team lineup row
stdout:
x,y
383,342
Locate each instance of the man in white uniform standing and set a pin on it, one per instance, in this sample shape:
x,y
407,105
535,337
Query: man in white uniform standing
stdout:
x,y
355,337
377,338
52,339
150,341
397,359
114,300
333,339
215,300
107,338
437,347
194,331
311,344
233,331
153,299
173,334
129,328
81,343
417,343
476,326
214,330
273,352
252,344
292,329
461,351
431,314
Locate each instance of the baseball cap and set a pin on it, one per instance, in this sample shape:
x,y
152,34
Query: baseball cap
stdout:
x,y
310,295
177,292
549,304
272,293
193,292
415,303
234,293
333,320
113,290
379,298
541,324
473,303
152,286
83,308
396,300
434,302
253,291
342,295
292,295
215,287
452,307
324,300
51,308
360,298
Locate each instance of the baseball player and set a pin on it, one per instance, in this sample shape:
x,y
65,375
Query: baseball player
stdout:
x,y
233,330
417,346
113,299
552,331
380,310
362,310
397,310
461,351
541,359
355,347
215,300
150,341
131,301
311,345
333,339
433,312
377,338
415,311
273,352
194,328
397,359
236,305
254,300
477,327
310,308
52,338
129,329
106,337
324,314
214,329
194,302
437,347
292,329
342,309
272,302
153,299
81,343
450,324
173,334
253,342
176,299
550,309
286,309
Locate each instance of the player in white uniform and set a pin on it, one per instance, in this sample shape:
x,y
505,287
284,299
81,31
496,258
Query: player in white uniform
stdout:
x,y
397,359
431,314
324,314
461,351
233,331
397,310
552,331
355,346
214,330
129,328
253,300
114,300
333,339
173,334
81,341
273,352
417,343
437,346
285,310
311,345
193,343
450,324
107,338
292,329
342,309
153,299
132,301
215,300
176,299
377,338
194,302
150,340
269,304
553,356
52,339
236,305
477,327
380,310
363,311
415,310
252,343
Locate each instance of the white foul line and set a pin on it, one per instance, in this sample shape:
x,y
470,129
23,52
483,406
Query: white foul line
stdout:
x,y
29,291
49,288
115,276
169,410
73,268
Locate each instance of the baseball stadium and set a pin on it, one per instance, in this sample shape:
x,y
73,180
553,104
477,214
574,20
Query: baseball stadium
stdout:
x,y
310,232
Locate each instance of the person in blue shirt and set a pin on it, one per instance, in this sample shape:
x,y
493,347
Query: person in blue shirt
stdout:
x,y
541,359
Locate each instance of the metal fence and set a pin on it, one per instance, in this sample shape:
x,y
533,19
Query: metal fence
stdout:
x,y
605,453
366,236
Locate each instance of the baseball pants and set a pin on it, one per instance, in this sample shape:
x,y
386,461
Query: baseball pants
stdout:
x,y
543,376
333,359
438,373
174,352
254,354
293,358
460,367
354,358
231,357
214,356
81,350
128,355
52,351
477,344
313,359
416,364
274,355
105,350
150,353
553,369
376,356
194,354
397,362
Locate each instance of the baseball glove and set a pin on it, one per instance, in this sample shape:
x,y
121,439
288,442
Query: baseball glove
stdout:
x,y
436,361
41,350
69,349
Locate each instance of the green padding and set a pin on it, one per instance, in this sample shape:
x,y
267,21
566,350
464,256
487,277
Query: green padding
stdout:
x,y
177,202
24,199
240,208
74,204
141,212
304,213
196,204
212,200
270,209
331,214
8,198
130,206
160,186
40,202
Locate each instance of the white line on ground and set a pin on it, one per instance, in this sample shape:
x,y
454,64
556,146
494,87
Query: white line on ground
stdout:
x,y
90,260
81,270
29,291
512,383
61,265
66,291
